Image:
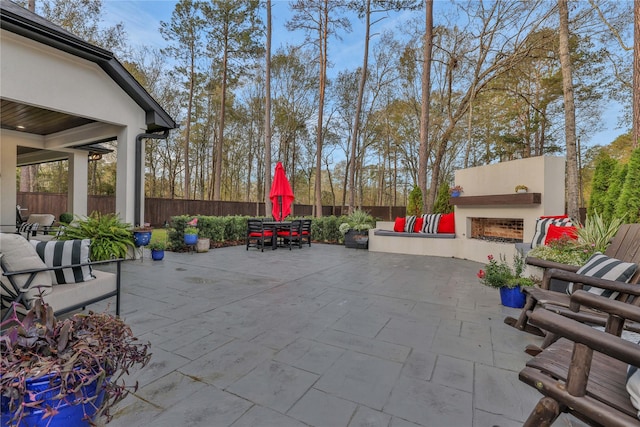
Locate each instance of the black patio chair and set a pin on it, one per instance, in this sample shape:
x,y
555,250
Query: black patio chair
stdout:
x,y
257,234
292,234
305,233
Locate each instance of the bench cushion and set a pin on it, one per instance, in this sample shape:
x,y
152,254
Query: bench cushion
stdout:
x,y
65,252
423,235
71,294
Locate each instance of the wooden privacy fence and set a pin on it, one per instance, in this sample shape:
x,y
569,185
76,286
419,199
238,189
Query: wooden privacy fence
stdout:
x,y
157,211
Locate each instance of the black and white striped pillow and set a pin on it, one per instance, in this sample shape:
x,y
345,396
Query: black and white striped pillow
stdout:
x,y
66,252
604,267
409,224
633,386
542,226
430,223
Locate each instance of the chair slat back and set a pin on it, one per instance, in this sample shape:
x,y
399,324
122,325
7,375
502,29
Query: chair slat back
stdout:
x,y
254,225
626,247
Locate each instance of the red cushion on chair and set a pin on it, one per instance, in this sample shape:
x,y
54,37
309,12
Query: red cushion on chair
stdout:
x,y
399,225
554,216
287,234
417,227
555,232
256,234
447,223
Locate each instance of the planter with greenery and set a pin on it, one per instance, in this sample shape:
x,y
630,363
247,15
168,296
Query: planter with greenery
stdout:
x,y
356,229
190,236
69,370
507,278
520,188
157,250
455,191
110,237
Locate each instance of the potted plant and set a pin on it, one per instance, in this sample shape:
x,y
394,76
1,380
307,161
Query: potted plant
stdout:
x,y
499,274
356,229
157,250
142,235
455,191
110,237
65,372
66,218
520,188
190,236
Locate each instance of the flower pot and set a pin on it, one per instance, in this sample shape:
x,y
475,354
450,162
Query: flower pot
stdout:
x,y
190,239
356,239
203,245
141,238
455,194
522,190
157,254
70,412
512,297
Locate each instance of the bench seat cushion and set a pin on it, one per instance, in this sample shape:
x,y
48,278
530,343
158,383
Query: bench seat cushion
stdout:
x,y
72,294
421,235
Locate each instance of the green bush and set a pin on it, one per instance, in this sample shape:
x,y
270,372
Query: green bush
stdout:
x,y
628,205
110,237
66,218
617,181
442,205
602,179
414,204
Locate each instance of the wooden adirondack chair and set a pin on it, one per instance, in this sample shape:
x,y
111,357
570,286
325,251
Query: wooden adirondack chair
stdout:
x,y
625,247
584,372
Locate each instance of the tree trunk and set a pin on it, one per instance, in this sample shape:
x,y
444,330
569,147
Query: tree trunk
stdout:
x,y
218,157
423,153
324,34
636,74
267,117
569,113
356,119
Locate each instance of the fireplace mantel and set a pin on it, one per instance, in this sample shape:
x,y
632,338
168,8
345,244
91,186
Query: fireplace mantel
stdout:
x,y
498,199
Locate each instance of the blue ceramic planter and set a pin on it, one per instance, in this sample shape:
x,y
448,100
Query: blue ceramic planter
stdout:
x,y
455,194
512,297
141,238
157,254
190,239
69,414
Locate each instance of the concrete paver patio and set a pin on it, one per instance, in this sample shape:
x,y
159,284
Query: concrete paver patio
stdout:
x,y
321,336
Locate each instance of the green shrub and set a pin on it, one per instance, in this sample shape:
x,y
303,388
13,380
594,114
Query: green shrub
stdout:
x,y
602,179
442,205
110,237
66,218
617,181
628,205
414,204
597,232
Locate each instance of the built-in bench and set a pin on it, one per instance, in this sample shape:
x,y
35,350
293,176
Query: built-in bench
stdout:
x,y
379,232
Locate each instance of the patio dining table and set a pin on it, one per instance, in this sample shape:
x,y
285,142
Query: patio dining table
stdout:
x,y
275,227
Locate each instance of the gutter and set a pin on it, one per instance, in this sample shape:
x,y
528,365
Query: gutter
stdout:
x,y
139,171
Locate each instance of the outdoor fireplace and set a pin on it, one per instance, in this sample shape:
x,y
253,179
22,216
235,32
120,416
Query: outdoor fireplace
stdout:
x,y
506,230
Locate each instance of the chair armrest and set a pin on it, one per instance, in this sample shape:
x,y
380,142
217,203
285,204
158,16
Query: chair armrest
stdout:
x,y
581,279
61,267
607,305
578,332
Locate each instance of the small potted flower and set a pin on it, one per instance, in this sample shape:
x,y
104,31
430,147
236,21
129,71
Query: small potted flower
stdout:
x,y
520,188
499,274
455,191
142,235
190,236
157,250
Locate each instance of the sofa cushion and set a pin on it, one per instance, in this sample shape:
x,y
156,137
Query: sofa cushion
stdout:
x,y
18,254
65,252
410,222
633,386
604,267
555,232
76,293
447,223
399,224
542,225
430,224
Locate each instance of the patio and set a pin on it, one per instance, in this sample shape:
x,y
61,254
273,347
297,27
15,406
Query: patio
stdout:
x,y
322,336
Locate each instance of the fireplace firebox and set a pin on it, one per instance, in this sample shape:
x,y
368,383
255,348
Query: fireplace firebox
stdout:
x,y
506,230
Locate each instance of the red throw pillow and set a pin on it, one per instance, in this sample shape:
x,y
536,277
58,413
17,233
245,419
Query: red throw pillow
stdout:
x,y
447,223
556,232
417,227
554,216
399,225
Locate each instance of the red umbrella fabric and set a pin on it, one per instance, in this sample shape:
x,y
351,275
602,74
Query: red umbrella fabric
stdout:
x,y
281,194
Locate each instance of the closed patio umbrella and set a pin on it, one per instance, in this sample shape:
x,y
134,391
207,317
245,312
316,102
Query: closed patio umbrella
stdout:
x,y
281,194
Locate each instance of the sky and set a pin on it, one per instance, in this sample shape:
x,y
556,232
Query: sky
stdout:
x,y
141,19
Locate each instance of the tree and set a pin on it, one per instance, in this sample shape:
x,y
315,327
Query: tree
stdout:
x,y
267,115
628,205
636,73
569,113
615,188
605,166
315,17
183,34
423,152
234,27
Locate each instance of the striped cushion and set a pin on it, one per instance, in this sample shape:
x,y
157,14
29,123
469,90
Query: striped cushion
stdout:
x,y
66,252
633,386
542,225
604,267
430,223
409,224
